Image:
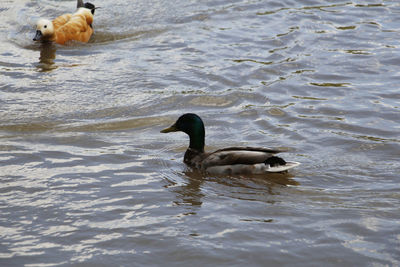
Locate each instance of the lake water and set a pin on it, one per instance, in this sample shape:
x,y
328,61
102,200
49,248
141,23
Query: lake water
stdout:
x,y
87,179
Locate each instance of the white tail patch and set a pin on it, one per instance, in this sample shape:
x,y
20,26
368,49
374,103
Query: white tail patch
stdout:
x,y
289,165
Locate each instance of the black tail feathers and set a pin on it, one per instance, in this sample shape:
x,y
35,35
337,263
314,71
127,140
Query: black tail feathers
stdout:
x,y
275,161
91,7
86,5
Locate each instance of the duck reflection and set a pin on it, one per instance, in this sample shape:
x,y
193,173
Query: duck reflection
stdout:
x,y
47,56
242,187
190,193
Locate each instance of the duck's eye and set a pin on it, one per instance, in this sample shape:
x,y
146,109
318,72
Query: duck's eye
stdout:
x,y
45,26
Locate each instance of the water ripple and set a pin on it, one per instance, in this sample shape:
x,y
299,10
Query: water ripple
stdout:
x,y
86,178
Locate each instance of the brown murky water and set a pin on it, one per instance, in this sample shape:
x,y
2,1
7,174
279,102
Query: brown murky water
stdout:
x,y
86,179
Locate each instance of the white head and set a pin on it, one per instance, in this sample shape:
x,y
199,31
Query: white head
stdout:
x,y
44,30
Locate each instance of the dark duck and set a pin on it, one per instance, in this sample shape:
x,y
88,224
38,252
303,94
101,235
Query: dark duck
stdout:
x,y
228,161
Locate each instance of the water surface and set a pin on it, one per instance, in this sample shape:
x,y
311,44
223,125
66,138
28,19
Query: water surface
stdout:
x,y
86,178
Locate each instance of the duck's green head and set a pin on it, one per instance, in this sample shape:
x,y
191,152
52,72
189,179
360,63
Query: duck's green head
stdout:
x,y
192,125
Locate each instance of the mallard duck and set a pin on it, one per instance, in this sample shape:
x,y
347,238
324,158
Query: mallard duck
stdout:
x,y
228,161
68,27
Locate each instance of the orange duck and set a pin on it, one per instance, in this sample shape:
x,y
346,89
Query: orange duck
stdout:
x,y
68,27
